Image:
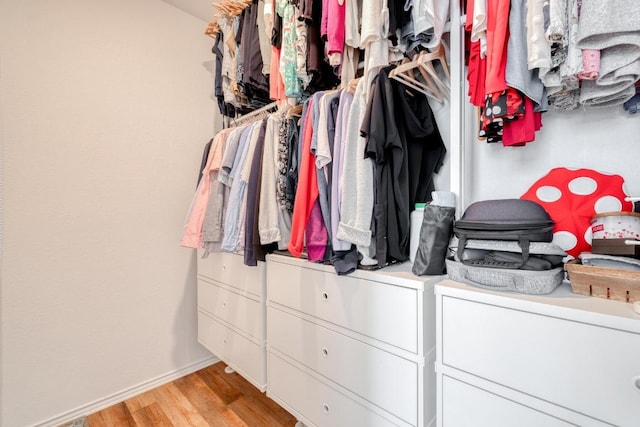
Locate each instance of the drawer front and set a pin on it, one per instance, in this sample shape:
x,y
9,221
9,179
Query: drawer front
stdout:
x,y
382,378
248,358
384,312
586,368
243,313
229,269
316,401
464,405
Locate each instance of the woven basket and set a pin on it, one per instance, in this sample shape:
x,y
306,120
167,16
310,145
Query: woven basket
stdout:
x,y
618,285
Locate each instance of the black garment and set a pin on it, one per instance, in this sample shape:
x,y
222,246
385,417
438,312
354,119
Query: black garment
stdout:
x,y
276,31
322,74
256,84
205,156
345,262
398,18
391,208
315,44
403,139
259,251
240,20
291,178
394,9
253,193
218,76
419,131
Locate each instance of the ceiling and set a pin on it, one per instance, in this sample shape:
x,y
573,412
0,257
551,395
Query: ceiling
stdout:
x,y
201,9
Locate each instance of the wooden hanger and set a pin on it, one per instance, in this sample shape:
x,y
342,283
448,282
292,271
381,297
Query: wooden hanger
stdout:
x,y
426,61
213,29
295,111
431,84
353,83
231,8
405,74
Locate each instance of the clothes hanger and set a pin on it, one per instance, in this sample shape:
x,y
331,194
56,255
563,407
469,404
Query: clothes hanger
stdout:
x,y
405,74
353,83
231,8
426,62
213,29
295,111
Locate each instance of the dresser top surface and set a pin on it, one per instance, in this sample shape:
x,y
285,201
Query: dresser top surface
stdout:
x,y
562,303
397,274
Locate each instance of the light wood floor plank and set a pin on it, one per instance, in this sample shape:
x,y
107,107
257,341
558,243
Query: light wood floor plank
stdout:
x,y
218,381
254,413
206,398
207,402
177,407
116,415
151,416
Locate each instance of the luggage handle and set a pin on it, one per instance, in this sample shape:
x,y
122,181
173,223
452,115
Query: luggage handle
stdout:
x,y
523,242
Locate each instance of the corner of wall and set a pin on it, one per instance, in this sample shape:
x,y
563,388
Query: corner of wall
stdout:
x,y
2,346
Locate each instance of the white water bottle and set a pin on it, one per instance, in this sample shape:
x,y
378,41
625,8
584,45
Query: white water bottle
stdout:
x,y
414,229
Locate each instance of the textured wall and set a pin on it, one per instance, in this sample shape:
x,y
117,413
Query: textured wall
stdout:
x,y
105,108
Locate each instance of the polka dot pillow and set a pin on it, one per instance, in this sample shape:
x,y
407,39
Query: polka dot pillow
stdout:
x,y
572,197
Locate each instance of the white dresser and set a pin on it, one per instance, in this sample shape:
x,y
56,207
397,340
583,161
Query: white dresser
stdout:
x,y
231,313
355,350
509,360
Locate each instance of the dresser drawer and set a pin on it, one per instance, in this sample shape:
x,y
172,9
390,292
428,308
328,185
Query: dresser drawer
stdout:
x,y
319,403
484,409
229,269
382,378
385,312
243,313
245,356
588,368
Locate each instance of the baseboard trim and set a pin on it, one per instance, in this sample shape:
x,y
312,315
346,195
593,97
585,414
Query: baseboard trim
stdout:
x,y
126,394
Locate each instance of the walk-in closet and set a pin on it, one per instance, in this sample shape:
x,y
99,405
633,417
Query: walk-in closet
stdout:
x,y
220,213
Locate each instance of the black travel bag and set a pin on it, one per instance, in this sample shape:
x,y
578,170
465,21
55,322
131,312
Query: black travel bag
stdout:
x,y
519,220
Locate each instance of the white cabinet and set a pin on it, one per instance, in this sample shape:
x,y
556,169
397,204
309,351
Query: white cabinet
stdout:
x,y
541,360
350,350
231,313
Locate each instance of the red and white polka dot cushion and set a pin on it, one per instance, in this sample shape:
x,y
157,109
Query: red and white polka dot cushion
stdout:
x,y
572,197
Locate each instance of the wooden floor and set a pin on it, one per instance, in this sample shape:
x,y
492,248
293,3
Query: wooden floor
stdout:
x,y
209,397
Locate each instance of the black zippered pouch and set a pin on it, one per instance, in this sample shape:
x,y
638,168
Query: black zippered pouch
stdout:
x,y
518,220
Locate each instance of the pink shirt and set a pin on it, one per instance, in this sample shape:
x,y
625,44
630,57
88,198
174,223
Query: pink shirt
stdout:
x,y
335,30
192,236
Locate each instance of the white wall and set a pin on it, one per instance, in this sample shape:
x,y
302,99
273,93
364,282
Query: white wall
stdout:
x,y
607,140
104,110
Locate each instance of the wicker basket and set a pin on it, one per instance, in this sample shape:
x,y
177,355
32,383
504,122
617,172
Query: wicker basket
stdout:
x,y
619,285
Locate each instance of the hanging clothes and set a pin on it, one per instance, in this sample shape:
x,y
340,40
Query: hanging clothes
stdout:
x,y
316,236
357,183
274,222
256,84
192,234
335,31
403,139
476,63
289,56
307,190
337,172
252,252
233,217
323,149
